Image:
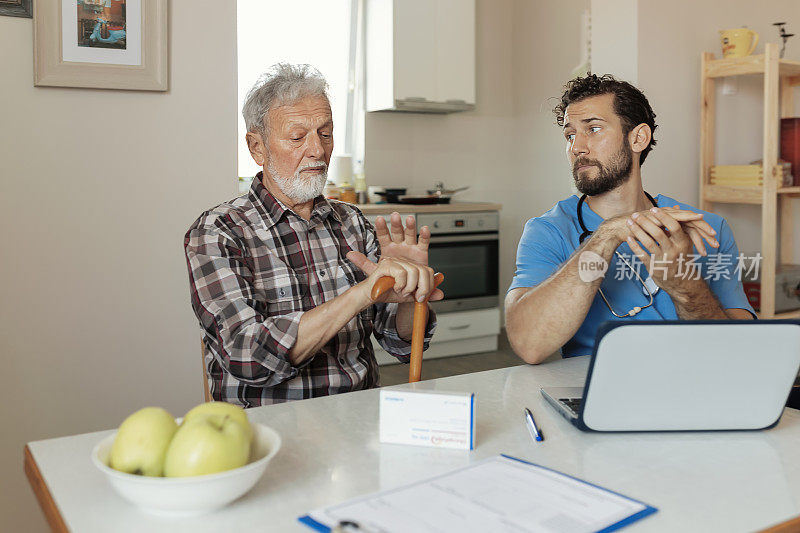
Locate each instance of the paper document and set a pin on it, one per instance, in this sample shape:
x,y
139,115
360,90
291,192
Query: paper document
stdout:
x,y
498,494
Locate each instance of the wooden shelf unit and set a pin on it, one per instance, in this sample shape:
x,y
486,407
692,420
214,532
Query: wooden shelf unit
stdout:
x,y
780,76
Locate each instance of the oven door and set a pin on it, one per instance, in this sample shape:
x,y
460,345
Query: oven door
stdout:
x,y
470,267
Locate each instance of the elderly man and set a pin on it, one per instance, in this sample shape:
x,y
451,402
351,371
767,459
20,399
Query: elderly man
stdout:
x,y
556,300
281,277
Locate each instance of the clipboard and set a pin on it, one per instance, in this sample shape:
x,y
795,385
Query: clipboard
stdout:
x,y
497,493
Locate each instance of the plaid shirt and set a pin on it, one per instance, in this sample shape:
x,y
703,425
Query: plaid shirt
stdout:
x,y
254,267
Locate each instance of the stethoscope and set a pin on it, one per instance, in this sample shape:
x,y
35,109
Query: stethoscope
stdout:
x,y
649,287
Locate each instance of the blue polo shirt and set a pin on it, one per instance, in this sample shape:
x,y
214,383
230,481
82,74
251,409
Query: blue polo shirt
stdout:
x,y
549,240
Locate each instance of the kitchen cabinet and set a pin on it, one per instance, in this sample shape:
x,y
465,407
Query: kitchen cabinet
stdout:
x,y
420,55
461,333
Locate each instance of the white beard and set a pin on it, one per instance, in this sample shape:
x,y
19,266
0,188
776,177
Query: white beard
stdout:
x,y
298,187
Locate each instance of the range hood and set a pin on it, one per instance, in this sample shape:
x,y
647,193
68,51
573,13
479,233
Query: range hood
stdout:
x,y
423,105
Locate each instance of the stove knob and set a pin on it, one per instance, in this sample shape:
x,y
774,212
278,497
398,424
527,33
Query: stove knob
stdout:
x,y
435,223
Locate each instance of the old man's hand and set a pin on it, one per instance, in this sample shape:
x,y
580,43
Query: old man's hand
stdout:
x,y
403,243
412,281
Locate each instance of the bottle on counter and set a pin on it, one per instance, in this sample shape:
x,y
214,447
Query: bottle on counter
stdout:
x,y
331,191
347,193
361,184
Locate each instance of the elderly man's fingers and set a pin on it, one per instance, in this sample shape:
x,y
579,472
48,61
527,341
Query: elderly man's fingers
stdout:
x,y
437,294
648,233
425,284
382,231
362,262
424,237
397,228
411,230
400,276
412,280
697,240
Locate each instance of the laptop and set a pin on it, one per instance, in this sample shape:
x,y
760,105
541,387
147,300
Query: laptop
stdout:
x,y
684,376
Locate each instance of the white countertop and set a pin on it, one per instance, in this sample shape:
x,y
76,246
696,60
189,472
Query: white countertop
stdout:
x,y
454,207
701,481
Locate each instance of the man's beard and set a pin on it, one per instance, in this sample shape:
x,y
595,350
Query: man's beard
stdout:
x,y
609,177
298,187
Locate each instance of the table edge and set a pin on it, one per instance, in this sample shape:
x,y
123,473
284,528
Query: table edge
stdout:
x,y
42,492
788,526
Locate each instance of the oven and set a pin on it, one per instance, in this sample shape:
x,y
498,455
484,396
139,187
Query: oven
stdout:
x,y
464,246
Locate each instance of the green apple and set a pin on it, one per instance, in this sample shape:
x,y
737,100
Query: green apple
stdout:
x,y
142,441
222,408
207,444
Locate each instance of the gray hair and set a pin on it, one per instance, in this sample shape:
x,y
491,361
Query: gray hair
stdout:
x,y
282,84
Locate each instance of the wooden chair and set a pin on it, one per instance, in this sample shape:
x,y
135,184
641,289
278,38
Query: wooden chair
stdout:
x,y
206,391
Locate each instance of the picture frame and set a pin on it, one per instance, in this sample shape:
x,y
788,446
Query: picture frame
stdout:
x,y
16,8
101,44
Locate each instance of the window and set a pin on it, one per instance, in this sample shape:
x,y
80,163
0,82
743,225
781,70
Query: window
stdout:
x,y
322,33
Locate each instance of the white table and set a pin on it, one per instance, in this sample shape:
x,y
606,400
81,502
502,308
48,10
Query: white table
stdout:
x,y
715,481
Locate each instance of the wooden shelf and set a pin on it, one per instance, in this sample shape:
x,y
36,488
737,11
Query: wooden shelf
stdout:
x,y
738,66
783,316
779,78
728,194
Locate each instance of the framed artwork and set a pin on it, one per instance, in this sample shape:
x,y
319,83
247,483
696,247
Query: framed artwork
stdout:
x,y
16,8
101,44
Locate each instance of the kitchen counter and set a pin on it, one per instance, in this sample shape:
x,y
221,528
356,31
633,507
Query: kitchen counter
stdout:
x,y
457,207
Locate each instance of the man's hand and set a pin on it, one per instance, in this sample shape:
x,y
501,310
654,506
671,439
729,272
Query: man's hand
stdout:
x,y
697,229
412,281
401,243
403,257
666,242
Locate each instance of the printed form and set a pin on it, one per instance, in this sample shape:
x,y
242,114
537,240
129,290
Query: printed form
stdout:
x,y
498,494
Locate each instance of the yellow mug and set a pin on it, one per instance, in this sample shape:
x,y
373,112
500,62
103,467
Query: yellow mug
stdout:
x,y
739,42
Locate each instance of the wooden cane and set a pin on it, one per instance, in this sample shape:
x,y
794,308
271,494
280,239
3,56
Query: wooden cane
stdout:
x,y
384,285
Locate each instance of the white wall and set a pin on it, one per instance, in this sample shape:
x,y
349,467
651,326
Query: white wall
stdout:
x,y
508,150
97,189
672,37
615,38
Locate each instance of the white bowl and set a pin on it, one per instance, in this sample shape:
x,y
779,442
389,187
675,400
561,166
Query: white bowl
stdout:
x,y
190,495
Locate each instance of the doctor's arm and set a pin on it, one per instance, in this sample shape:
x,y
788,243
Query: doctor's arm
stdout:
x,y
664,242
542,318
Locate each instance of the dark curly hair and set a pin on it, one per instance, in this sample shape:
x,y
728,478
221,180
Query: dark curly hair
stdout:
x,y
629,103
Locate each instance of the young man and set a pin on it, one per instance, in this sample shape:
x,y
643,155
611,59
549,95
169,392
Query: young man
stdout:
x,y
615,252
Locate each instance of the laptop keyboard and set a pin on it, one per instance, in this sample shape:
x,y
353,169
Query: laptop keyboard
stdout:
x,y
573,404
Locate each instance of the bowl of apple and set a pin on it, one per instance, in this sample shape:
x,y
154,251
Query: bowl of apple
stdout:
x,y
188,466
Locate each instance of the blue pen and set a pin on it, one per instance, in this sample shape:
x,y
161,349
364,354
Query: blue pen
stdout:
x,y
531,423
